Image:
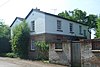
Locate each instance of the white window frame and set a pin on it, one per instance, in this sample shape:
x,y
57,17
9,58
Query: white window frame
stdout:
x,y
59,25
32,43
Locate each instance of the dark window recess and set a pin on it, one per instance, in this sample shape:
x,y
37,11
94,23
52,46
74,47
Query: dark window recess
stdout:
x,y
80,30
59,26
96,45
58,45
33,25
84,32
71,28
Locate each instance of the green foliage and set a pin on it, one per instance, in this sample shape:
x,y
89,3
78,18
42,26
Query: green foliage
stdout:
x,y
43,49
91,20
20,40
98,28
80,16
4,31
11,55
42,45
65,15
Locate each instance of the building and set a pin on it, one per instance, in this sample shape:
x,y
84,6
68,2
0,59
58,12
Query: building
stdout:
x,y
51,28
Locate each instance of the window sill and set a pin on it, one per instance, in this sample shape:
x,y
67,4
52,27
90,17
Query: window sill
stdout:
x,y
60,30
71,32
80,33
58,50
32,50
32,31
96,51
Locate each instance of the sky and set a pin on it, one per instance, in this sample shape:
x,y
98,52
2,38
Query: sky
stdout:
x,y
10,9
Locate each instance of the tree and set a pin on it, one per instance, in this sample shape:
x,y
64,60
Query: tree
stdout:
x,y
79,15
76,15
98,28
91,20
4,30
64,15
20,40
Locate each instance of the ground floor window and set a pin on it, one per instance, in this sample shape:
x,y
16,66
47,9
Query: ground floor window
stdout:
x,y
58,46
95,45
32,45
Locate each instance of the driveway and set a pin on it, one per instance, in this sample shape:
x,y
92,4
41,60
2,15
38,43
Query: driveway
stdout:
x,y
15,62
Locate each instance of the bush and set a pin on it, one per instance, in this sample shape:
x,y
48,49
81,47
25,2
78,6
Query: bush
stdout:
x,y
11,55
20,40
43,49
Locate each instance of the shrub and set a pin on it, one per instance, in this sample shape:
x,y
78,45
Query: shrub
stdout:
x,y
43,49
20,40
11,55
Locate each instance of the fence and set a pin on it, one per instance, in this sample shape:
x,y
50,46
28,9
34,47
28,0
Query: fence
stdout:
x,y
4,45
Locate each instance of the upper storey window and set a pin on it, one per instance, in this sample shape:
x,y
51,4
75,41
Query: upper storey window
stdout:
x,y
59,26
80,30
33,25
71,27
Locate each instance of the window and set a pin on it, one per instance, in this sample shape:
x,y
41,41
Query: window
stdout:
x,y
71,27
32,45
84,32
95,45
58,45
59,25
33,25
80,30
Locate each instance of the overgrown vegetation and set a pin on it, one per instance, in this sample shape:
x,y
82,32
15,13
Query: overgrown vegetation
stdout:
x,y
20,40
43,49
11,55
4,30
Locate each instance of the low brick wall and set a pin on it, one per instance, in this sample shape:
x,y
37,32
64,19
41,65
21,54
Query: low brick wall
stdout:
x,y
89,57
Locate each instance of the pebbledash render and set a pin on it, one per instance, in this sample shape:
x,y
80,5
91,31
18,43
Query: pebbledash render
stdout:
x,y
50,28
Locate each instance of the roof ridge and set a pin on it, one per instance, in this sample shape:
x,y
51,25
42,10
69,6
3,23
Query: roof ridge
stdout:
x,y
15,20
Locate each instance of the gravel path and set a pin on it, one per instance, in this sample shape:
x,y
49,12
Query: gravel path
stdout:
x,y
15,62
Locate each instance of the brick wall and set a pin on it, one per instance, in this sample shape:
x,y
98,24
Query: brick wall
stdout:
x,y
60,57
89,57
42,37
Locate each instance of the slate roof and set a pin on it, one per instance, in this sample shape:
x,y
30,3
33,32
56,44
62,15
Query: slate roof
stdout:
x,y
21,19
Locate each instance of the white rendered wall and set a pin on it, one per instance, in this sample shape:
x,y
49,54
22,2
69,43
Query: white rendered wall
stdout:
x,y
39,19
51,26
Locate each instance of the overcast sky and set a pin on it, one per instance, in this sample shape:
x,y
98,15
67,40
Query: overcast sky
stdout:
x,y
9,9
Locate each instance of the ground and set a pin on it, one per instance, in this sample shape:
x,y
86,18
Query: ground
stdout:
x,y
15,62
